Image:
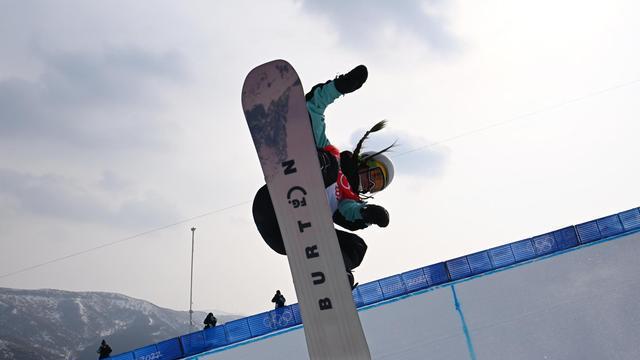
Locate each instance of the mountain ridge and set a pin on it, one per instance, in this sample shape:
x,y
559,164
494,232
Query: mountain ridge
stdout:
x,y
60,324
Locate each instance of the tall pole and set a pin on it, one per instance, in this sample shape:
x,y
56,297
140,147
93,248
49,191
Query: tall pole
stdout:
x,y
193,232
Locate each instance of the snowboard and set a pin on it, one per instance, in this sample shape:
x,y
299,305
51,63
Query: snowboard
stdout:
x,y
275,109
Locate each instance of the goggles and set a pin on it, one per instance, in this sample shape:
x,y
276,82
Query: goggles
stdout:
x,y
371,179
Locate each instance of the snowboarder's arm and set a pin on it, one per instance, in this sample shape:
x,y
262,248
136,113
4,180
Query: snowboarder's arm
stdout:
x,y
322,95
354,215
348,215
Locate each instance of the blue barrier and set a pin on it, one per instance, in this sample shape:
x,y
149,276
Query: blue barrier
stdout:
x,y
630,219
415,280
436,274
215,337
125,356
238,330
502,256
544,244
193,343
610,226
523,250
395,286
370,293
458,268
588,232
147,353
479,262
566,238
169,349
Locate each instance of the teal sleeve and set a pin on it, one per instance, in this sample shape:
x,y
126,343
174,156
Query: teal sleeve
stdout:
x,y
323,96
350,209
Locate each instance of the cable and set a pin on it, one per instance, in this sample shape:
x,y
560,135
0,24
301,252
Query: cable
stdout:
x,y
117,241
520,117
500,123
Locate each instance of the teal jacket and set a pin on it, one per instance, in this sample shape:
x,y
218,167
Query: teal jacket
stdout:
x,y
318,99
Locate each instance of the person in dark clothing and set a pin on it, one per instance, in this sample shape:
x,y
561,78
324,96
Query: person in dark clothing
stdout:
x,y
347,177
279,299
210,321
104,350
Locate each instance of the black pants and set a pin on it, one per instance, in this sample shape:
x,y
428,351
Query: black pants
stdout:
x,y
352,246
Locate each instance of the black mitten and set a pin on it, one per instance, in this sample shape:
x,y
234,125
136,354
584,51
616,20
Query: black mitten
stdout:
x,y
374,214
352,80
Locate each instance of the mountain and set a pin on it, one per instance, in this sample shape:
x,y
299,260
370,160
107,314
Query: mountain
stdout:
x,y
54,324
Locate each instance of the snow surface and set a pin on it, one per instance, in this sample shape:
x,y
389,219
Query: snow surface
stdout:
x,y
581,304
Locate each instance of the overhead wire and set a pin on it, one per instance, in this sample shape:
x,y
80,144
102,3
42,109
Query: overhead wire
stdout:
x,y
458,136
78,253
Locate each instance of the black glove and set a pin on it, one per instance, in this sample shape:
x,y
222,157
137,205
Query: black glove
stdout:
x,y
374,214
352,80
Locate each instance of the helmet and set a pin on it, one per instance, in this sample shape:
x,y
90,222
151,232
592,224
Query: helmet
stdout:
x,y
376,173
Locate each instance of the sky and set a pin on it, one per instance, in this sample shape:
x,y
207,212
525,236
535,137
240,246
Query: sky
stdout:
x,y
121,128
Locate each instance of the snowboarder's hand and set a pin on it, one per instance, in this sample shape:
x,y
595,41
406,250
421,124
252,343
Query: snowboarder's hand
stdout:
x,y
352,80
374,214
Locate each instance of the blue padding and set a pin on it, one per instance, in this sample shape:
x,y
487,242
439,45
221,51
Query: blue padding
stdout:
x,y
630,219
436,274
566,238
458,268
357,298
544,244
215,337
169,349
238,330
285,317
125,356
263,323
193,343
147,352
610,226
392,286
523,250
414,280
295,309
479,262
588,232
502,256
370,292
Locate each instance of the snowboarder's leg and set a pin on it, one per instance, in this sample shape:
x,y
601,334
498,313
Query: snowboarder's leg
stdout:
x,y
265,218
353,248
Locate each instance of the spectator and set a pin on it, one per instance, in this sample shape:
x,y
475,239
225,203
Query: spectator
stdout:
x,y
278,299
210,321
104,350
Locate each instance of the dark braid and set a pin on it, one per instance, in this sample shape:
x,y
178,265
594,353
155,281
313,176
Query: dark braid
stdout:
x,y
379,126
356,152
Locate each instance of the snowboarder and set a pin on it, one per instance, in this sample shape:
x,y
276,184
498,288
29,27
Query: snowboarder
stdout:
x,y
104,350
210,321
347,177
279,299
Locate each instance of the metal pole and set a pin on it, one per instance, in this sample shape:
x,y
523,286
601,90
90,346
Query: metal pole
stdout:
x,y
193,232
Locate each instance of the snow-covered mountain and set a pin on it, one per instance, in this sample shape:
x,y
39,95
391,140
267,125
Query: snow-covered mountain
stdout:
x,y
54,324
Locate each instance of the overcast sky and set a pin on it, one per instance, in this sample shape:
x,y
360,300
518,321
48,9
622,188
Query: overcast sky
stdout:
x,y
513,118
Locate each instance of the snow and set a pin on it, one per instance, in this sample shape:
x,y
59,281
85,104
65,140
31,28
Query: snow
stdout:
x,y
82,310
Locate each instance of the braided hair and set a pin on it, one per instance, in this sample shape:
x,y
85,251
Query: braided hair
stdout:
x,y
356,152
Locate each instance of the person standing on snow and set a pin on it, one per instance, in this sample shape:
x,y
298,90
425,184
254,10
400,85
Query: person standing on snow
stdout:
x,y
278,299
104,350
210,321
347,177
